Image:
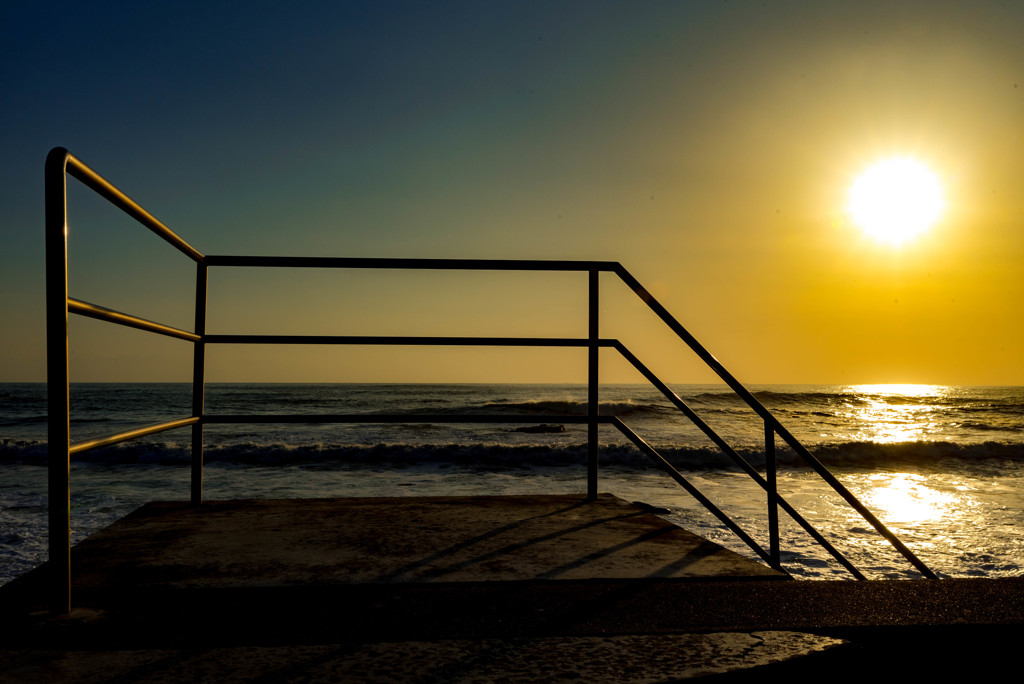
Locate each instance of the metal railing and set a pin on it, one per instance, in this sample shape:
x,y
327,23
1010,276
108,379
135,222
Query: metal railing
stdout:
x,y
60,163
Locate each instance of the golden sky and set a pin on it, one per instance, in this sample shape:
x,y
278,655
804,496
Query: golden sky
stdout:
x,y
709,147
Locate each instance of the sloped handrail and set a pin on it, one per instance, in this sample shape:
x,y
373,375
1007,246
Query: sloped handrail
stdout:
x,y
743,464
769,419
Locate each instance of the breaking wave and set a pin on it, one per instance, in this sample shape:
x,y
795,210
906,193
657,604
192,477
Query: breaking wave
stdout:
x,y
934,456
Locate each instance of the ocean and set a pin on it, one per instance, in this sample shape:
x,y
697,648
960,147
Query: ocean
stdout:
x,y
942,466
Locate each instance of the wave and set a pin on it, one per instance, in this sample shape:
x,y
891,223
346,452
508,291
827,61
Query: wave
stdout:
x,y
24,420
992,427
780,399
568,407
933,456
772,398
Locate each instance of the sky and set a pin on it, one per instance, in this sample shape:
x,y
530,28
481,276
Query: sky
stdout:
x,y
707,146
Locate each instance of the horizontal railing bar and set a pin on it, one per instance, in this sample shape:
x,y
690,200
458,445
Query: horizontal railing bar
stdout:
x,y
404,340
81,308
103,187
131,434
214,418
423,264
768,417
692,490
692,416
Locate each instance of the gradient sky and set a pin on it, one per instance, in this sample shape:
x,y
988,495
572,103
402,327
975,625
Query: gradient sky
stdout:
x,y
707,146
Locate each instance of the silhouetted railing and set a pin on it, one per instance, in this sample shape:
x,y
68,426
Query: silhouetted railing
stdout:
x,y
60,163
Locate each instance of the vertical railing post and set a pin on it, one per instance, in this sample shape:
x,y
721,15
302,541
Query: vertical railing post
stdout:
x,y
57,383
199,384
592,386
773,496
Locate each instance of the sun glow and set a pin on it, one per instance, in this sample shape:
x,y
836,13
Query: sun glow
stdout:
x,y
896,200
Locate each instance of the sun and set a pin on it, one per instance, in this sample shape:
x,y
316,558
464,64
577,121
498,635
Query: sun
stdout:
x,y
896,199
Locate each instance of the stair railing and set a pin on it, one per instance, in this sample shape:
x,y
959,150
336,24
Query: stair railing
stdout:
x,y
60,163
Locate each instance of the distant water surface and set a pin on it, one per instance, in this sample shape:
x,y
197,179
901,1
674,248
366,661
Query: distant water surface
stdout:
x,y
941,465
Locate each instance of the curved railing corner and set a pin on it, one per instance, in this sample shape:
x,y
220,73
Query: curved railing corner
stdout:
x,y
60,163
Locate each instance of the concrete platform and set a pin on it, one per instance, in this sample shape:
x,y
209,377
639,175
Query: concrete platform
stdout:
x,y
395,540
528,588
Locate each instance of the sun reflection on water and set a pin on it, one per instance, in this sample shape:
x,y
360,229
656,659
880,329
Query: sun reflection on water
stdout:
x,y
906,390
894,413
908,498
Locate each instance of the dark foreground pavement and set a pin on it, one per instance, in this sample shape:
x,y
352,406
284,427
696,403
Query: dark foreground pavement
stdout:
x,y
475,589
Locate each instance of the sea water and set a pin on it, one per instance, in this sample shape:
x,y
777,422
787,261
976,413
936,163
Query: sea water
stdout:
x,y
942,467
